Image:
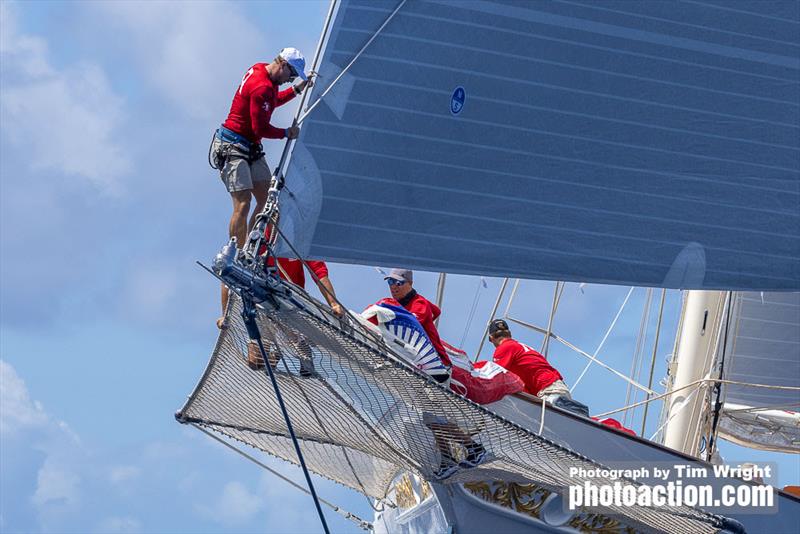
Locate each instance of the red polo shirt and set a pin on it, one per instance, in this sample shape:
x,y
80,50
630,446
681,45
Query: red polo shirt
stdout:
x,y
527,364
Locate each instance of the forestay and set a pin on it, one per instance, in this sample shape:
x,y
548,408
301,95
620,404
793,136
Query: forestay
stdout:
x,y
627,142
763,348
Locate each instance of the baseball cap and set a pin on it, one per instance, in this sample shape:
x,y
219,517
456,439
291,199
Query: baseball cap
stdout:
x,y
497,325
293,57
404,275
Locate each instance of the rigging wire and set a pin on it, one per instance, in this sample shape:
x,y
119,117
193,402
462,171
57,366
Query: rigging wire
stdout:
x,y
583,353
491,316
701,381
712,441
471,312
600,346
358,55
653,360
636,361
366,525
559,290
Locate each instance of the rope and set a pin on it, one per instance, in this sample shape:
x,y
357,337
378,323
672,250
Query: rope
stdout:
x,y
608,332
366,525
700,381
248,316
684,404
358,55
541,423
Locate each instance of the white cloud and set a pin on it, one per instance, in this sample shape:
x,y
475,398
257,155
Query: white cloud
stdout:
x,y
25,426
66,119
56,484
121,525
194,52
17,411
123,473
236,505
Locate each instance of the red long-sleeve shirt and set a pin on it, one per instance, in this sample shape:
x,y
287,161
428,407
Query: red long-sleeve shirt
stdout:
x,y
253,104
294,269
526,363
426,312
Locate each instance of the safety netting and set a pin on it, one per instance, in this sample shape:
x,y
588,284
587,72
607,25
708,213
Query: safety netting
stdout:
x,y
359,410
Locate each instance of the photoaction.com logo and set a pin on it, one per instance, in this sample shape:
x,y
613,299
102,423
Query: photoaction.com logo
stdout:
x,y
741,487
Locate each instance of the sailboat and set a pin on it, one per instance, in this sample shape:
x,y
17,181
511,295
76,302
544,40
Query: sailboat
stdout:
x,y
634,143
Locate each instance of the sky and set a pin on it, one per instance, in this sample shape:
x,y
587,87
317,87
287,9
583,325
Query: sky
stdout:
x,y
106,322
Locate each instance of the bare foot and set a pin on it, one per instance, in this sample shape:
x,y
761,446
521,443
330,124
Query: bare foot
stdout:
x,y
221,324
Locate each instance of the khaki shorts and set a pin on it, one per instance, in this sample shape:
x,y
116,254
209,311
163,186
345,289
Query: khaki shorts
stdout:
x,y
238,174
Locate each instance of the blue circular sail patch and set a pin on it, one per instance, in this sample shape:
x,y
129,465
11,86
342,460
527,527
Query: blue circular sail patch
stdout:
x,y
457,100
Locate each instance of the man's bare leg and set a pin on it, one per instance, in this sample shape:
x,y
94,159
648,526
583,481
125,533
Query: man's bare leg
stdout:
x,y
260,191
236,228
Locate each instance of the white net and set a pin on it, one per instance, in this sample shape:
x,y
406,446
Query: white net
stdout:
x,y
358,410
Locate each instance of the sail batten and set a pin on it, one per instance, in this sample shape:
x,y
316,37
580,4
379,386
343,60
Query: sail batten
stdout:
x,y
620,144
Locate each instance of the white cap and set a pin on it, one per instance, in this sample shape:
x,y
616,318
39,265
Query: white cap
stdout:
x,y
293,57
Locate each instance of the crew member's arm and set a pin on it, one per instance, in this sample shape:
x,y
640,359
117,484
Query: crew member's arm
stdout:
x,y
325,286
286,95
260,115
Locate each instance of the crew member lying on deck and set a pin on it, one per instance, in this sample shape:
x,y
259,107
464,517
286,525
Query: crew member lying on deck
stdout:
x,y
541,379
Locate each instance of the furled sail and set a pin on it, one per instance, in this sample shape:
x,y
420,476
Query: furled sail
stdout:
x,y
763,349
623,142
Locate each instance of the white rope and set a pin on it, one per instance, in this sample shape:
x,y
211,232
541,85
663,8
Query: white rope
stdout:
x,y
608,332
684,403
541,423
358,55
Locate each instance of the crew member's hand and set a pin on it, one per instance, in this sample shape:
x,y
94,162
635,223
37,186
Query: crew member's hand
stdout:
x,y
300,87
337,310
292,132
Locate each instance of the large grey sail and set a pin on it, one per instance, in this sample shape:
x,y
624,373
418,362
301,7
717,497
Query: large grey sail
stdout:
x,y
763,351
625,142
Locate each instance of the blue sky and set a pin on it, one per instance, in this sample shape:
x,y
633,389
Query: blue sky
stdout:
x,y
107,323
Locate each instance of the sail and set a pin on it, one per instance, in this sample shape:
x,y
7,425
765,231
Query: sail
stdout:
x,y
624,142
763,348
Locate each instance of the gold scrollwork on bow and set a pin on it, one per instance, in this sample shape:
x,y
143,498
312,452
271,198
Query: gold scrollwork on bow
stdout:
x,y
404,493
528,499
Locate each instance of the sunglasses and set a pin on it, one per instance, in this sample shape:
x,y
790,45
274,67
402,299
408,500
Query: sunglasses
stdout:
x,y
292,72
393,282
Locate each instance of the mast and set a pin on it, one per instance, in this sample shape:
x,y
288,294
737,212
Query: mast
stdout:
x,y
440,295
698,338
